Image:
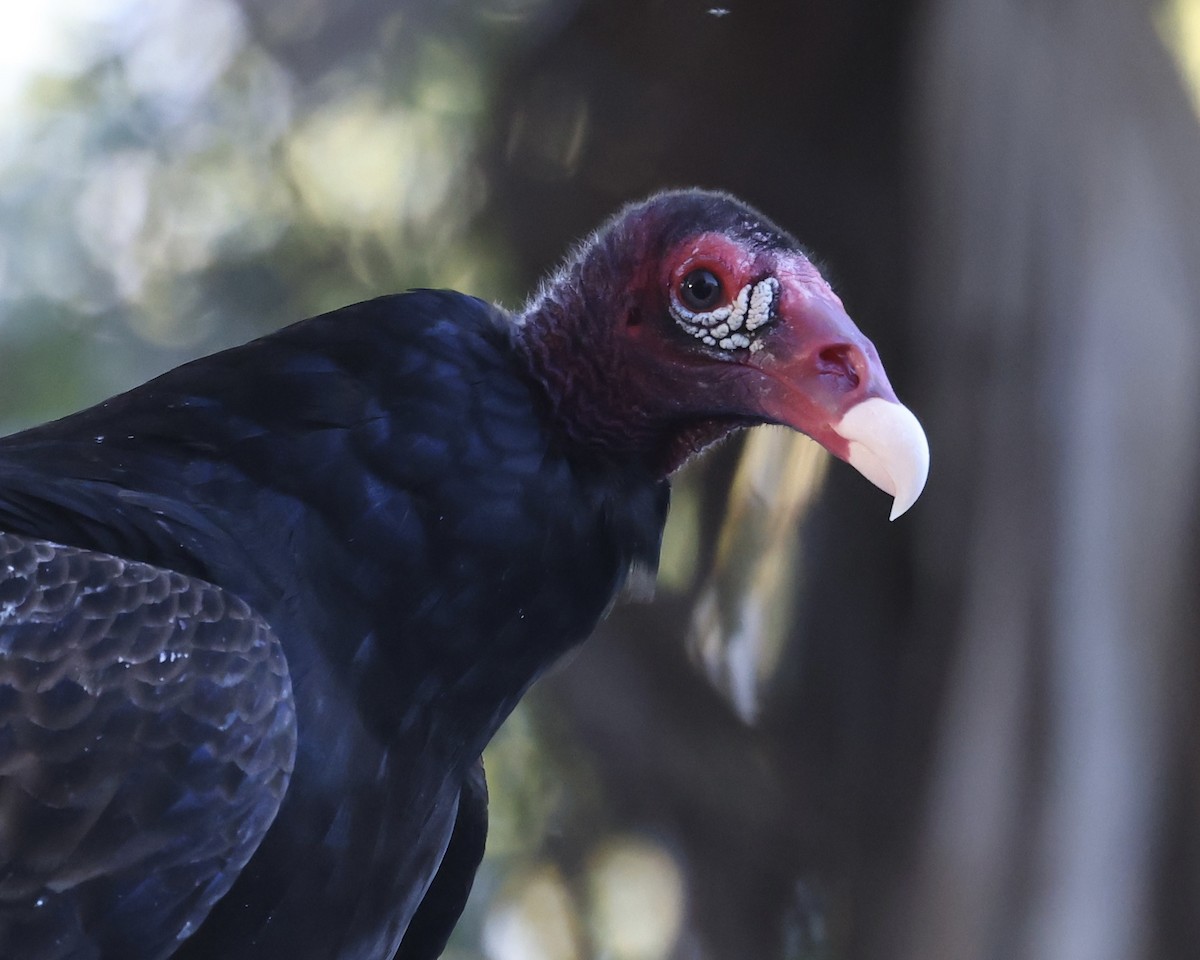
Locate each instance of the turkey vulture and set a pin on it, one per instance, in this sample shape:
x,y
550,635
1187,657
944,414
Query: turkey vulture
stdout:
x,y
260,615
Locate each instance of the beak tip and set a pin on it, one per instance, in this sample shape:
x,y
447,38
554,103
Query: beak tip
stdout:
x,y
900,506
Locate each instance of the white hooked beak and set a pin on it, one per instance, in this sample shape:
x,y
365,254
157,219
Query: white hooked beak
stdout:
x,y
888,447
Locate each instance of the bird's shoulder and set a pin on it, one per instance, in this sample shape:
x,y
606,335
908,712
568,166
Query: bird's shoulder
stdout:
x,y
342,407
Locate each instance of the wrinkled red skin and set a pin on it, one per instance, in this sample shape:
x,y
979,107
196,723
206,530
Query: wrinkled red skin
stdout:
x,y
814,363
627,380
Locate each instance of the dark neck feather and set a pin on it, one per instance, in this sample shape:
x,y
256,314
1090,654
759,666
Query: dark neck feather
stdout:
x,y
566,335
604,402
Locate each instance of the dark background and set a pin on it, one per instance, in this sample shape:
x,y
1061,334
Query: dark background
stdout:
x,y
971,733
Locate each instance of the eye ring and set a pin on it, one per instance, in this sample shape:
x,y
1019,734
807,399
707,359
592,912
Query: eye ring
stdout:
x,y
701,290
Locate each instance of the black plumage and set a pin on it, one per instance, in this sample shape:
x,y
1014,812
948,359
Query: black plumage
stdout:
x,y
259,616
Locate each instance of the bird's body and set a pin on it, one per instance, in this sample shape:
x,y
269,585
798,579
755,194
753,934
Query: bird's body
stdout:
x,y
408,508
407,578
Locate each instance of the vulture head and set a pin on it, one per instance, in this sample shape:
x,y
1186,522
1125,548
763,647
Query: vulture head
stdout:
x,y
689,315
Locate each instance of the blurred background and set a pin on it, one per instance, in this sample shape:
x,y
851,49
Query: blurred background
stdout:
x,y
971,733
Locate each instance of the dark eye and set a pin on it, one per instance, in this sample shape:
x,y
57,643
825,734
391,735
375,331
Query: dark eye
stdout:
x,y
700,291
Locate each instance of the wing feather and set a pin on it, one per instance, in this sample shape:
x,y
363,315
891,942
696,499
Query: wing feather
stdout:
x,y
147,736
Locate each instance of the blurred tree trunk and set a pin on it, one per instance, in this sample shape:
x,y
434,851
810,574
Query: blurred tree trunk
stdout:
x,y
1059,174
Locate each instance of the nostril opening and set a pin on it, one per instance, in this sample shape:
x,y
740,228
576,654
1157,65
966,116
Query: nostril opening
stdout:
x,y
842,361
